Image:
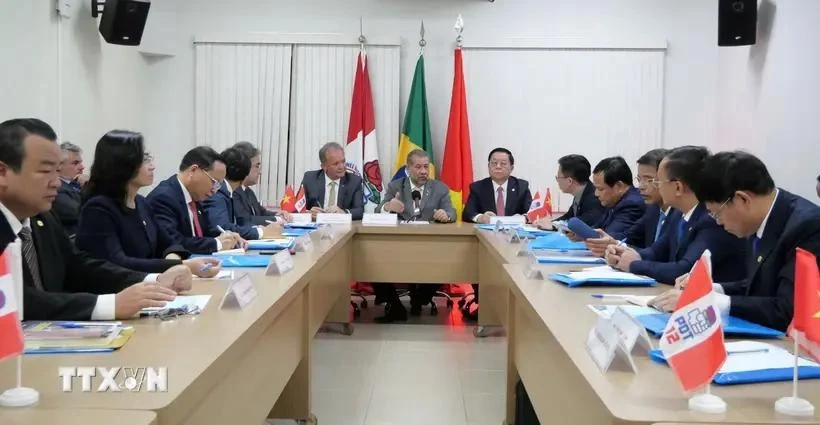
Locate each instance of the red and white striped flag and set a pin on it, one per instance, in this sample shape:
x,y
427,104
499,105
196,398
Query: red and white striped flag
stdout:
x,y
301,203
11,335
693,339
538,208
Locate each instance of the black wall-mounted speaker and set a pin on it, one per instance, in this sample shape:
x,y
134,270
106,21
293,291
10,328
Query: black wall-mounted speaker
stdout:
x,y
737,22
124,20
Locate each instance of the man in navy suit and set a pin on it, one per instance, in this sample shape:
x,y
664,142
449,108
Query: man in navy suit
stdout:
x,y
691,229
741,196
501,194
219,208
246,205
653,223
624,205
573,178
332,189
177,203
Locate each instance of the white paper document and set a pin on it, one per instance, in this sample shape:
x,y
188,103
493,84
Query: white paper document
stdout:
x,y
182,300
746,356
223,274
632,310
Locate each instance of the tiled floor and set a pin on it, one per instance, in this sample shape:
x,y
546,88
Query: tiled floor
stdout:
x,y
429,370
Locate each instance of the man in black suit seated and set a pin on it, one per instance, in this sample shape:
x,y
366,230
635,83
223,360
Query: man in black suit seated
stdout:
x,y
501,194
332,189
653,224
246,205
742,197
177,203
67,205
573,178
61,283
624,205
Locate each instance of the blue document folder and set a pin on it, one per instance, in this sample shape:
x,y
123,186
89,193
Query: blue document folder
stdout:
x,y
656,323
555,240
229,261
568,259
770,366
572,282
295,232
310,226
273,245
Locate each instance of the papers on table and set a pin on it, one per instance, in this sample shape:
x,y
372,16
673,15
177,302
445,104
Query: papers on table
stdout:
x,y
415,222
273,243
569,259
632,310
55,337
641,300
237,251
601,276
181,301
223,274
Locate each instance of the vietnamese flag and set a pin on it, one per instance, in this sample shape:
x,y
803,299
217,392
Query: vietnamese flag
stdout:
x,y
457,167
806,322
288,202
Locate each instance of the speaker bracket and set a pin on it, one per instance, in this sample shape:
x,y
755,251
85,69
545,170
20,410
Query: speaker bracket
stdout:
x,y
97,7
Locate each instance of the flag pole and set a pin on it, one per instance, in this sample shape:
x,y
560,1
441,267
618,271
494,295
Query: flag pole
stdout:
x,y
459,28
362,38
794,405
422,41
19,371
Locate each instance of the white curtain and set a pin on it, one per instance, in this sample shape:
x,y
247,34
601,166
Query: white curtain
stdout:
x,y
243,93
545,103
320,105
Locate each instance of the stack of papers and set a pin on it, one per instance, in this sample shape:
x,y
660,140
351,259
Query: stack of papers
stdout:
x,y
602,277
750,362
52,337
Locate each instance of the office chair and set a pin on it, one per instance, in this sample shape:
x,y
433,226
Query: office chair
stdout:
x,y
356,292
433,306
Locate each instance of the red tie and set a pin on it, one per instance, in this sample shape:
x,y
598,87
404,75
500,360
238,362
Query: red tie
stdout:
x,y
499,202
195,215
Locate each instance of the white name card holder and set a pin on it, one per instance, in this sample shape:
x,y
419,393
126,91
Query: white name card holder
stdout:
x,y
280,263
497,227
301,218
532,270
633,335
605,347
239,293
336,219
303,244
512,236
380,220
511,220
523,249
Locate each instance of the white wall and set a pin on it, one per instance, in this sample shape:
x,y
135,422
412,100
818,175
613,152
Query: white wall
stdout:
x,y
765,98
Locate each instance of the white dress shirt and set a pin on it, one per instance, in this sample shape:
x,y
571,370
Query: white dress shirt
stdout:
x,y
188,200
723,301
105,307
503,187
331,202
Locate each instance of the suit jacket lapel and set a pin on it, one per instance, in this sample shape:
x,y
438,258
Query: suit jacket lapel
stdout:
x,y
151,236
426,194
320,193
511,197
771,234
45,254
689,228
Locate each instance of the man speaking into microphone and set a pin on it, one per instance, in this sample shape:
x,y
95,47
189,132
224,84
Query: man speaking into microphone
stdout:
x,y
415,198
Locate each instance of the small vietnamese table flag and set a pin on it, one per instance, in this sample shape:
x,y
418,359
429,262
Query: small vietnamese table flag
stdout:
x,y
805,327
693,339
288,202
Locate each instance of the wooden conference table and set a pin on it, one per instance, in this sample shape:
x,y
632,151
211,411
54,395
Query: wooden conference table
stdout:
x,y
240,366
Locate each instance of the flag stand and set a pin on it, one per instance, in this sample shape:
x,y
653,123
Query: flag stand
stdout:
x,y
707,402
794,405
19,396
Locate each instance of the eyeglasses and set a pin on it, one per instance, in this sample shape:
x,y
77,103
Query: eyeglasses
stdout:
x,y
639,181
502,164
658,183
716,215
561,177
216,183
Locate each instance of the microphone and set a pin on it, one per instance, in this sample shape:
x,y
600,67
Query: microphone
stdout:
x,y
416,197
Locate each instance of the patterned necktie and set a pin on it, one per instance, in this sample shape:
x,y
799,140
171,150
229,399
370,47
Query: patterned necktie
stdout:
x,y
30,256
331,200
195,218
499,202
661,220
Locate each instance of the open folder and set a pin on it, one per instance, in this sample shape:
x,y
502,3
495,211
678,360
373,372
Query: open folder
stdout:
x,y
555,240
244,260
656,323
272,244
750,362
601,277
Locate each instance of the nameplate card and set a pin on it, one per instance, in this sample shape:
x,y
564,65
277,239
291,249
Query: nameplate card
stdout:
x,y
301,218
604,346
327,218
512,220
523,249
513,237
631,333
280,263
376,219
239,294
532,270
303,244
497,227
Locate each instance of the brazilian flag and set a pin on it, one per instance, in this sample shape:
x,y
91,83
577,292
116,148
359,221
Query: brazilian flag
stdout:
x,y
415,133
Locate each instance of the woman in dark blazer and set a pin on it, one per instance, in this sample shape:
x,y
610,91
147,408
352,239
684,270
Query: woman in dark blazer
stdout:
x,y
117,224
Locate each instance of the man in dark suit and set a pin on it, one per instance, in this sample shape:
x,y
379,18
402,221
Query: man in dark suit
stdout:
x,y
61,283
624,205
413,197
332,189
740,194
177,203
69,200
501,194
220,209
691,230
653,224
246,205
573,178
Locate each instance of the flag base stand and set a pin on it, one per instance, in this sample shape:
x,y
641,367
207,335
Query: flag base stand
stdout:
x,y
19,397
707,403
794,406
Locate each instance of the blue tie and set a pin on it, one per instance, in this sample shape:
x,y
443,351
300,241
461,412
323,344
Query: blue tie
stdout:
x,y
755,242
681,230
661,220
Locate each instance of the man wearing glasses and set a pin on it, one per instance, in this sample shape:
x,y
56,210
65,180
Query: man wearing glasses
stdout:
x,y
177,203
573,178
691,229
741,196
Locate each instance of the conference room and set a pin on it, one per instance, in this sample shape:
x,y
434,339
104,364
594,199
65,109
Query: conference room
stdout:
x,y
374,212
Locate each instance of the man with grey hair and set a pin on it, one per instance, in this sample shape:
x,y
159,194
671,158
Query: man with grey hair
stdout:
x,y
67,204
246,206
332,189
